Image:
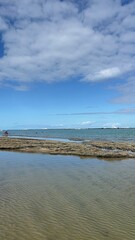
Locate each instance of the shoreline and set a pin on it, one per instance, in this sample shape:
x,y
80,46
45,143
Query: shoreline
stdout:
x,y
99,149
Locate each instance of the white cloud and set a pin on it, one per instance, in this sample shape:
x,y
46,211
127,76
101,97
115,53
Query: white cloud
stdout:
x,y
55,40
107,73
127,92
86,123
3,25
127,111
111,125
128,37
128,21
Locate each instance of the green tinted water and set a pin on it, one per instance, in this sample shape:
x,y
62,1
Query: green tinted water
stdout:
x,y
46,197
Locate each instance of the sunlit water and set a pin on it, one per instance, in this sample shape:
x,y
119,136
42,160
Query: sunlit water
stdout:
x,y
45,197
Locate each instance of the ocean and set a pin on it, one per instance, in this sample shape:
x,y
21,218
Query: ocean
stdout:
x,y
98,134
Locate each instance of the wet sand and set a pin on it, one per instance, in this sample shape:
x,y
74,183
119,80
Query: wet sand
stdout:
x,y
100,149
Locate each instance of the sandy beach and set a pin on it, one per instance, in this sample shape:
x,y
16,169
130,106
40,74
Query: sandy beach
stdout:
x,y
100,149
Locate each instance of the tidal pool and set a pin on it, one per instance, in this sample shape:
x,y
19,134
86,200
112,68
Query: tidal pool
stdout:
x,y
46,197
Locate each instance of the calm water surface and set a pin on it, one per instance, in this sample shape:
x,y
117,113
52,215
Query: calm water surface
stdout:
x,y
45,197
112,134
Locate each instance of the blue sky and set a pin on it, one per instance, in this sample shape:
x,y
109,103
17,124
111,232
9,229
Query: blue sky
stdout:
x,y
67,63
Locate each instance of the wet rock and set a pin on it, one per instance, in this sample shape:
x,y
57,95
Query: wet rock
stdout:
x,y
99,149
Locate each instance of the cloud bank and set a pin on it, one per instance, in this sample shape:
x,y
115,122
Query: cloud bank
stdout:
x,y
55,40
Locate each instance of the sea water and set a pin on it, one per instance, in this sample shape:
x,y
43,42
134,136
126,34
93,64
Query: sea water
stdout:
x,y
45,197
125,134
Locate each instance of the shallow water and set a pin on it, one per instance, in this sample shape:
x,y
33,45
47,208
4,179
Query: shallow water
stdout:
x,y
45,197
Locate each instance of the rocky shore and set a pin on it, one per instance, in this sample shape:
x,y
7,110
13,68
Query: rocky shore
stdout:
x,y
83,149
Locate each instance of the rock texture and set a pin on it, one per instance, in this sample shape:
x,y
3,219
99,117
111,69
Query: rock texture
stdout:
x,y
100,149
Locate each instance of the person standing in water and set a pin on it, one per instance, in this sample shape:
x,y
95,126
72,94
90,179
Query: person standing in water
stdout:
x,y
6,134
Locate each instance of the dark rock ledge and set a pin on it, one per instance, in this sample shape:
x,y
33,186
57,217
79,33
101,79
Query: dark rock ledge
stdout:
x,y
85,149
